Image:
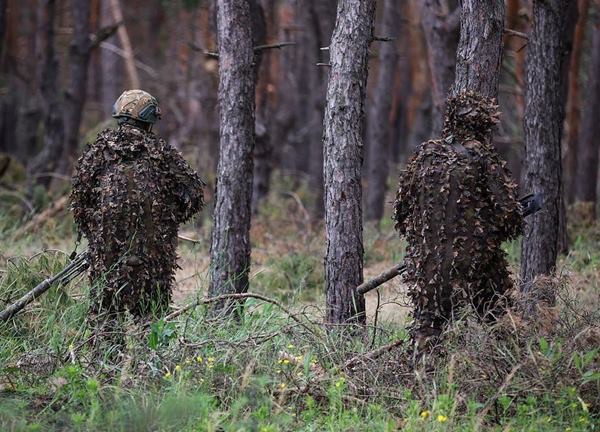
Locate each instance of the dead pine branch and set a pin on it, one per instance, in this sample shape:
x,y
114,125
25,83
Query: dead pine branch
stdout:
x,y
516,33
258,48
103,34
373,355
278,45
382,39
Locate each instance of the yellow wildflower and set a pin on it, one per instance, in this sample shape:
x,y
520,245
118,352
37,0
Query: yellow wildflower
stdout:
x,y
300,359
282,385
442,418
340,382
424,414
178,368
199,359
168,375
290,346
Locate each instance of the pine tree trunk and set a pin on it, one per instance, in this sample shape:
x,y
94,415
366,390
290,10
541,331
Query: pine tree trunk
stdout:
x,y
46,161
79,58
322,20
587,160
574,103
262,150
3,4
479,54
440,27
342,140
230,247
379,123
544,114
111,69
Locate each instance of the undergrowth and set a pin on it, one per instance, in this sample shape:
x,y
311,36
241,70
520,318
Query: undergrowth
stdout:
x,y
274,367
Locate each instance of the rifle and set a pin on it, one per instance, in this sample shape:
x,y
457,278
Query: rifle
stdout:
x,y
530,204
77,266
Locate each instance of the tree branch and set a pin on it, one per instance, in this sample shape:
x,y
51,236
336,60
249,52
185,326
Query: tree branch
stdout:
x,y
103,34
516,33
258,48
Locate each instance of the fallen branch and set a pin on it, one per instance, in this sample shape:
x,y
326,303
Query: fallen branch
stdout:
x,y
373,355
481,415
41,218
238,296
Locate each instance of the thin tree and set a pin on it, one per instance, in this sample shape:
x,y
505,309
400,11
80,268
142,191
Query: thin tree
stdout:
x,y
587,157
441,29
379,122
230,247
545,91
574,103
321,18
79,58
343,142
49,97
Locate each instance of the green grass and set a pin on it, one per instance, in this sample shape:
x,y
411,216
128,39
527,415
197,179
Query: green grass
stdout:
x,y
269,372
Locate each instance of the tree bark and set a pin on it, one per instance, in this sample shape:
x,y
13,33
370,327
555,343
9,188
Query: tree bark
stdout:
x,y
321,21
132,73
79,58
440,27
574,103
262,149
3,4
342,141
479,54
379,122
547,57
47,159
111,69
230,247
587,156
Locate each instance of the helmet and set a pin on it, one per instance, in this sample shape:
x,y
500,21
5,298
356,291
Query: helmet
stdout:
x,y
137,105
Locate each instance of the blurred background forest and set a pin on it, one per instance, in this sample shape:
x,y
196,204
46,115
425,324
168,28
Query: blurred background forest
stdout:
x,y
63,63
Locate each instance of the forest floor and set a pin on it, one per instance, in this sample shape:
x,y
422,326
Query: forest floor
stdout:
x,y
276,368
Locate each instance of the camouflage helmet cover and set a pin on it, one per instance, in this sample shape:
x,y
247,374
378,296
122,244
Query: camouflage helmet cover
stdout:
x,y
137,105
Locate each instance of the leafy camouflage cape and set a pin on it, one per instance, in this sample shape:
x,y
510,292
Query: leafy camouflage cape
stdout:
x,y
456,204
130,193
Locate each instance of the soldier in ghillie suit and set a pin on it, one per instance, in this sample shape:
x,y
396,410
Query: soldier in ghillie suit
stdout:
x,y
130,193
456,204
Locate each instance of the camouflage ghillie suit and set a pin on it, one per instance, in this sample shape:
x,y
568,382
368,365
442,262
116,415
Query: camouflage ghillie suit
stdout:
x,y
130,193
456,204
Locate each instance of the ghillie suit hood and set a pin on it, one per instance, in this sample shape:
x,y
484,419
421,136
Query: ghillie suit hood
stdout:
x,y
456,204
470,116
130,193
